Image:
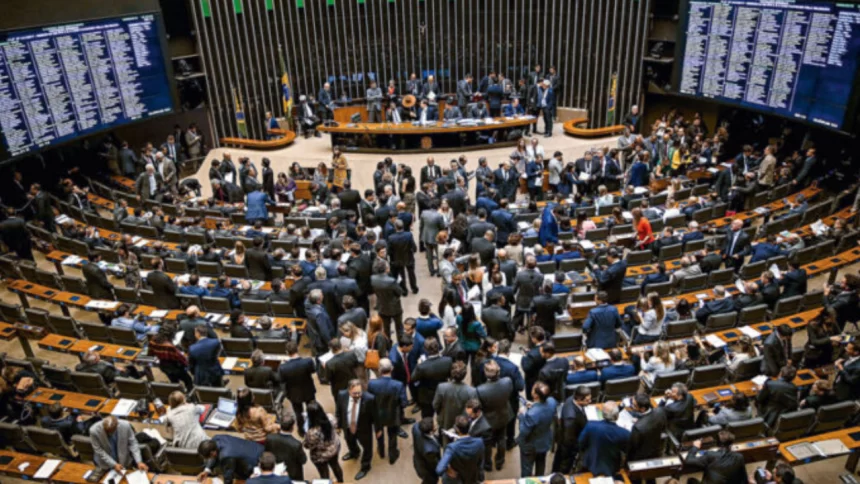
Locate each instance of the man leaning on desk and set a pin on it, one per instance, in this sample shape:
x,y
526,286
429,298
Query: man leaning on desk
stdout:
x,y
115,445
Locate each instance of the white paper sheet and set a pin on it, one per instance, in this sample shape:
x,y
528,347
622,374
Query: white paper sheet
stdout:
x,y
625,420
158,313
124,407
47,469
715,341
775,270
740,285
749,332
137,477
229,362
759,380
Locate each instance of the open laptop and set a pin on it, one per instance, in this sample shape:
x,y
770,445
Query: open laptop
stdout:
x,y
224,415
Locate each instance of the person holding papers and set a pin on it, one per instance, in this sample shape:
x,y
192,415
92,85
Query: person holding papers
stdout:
x,y
267,472
601,324
720,466
847,383
115,446
778,396
601,443
234,457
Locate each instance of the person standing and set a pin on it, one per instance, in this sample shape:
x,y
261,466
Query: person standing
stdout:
x,y
402,248
322,442
426,451
546,105
374,103
235,457
296,376
463,458
287,449
572,422
535,437
13,232
355,416
388,295
203,359
390,397
429,374
495,397
432,222
115,446
602,443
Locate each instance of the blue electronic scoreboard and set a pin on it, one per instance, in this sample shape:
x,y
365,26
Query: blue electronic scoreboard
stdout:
x,y
61,82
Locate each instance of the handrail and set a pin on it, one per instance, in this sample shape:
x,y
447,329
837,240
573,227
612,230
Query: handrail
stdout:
x,y
286,138
571,128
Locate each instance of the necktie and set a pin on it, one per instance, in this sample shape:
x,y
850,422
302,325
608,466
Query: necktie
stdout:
x,y
734,241
406,366
396,116
353,424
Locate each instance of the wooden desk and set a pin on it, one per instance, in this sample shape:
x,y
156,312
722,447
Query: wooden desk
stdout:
x,y
178,479
77,402
850,437
57,342
435,136
7,331
572,128
11,469
582,478
804,378
108,351
127,183
72,473
285,138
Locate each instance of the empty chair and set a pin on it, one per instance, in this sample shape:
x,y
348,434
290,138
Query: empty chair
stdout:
x,y
638,257
702,215
620,388
805,256
91,384
676,221
28,270
96,331
38,317
175,237
46,278
708,435
208,269
282,309
694,245
272,346
235,270
569,265
50,442
59,378
693,283
621,229
84,447
23,364
629,294
662,289
133,388
216,304
753,271
266,398
12,435
124,336
546,267
787,306
9,268
186,300
719,210
664,381
751,429
681,329
721,277
176,265
748,369
126,295
11,313
833,417
579,297
238,347
211,394
707,376
752,314
792,425
184,461
567,342
64,325
813,299
148,298
719,322
75,285
255,307
607,209
597,234
670,252
163,390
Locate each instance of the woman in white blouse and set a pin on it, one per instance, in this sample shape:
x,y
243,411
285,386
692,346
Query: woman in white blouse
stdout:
x,y
184,420
649,313
446,212
672,209
662,361
534,149
604,197
355,339
747,350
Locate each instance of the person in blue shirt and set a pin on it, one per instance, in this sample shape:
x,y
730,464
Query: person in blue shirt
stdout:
x,y
224,288
618,368
267,472
580,374
534,178
570,251
693,233
514,109
638,173
427,324
463,458
657,277
602,443
256,205
601,324
535,436
767,249
558,287
549,224
193,288
124,319
486,203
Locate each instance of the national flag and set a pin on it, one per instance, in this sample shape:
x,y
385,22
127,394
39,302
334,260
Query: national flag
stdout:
x,y
286,91
240,116
610,112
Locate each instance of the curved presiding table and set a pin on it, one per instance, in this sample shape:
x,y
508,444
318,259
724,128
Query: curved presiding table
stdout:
x,y
435,136
285,138
572,129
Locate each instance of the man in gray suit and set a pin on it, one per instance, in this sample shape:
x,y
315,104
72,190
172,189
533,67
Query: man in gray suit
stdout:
x,y
451,397
431,223
464,91
149,185
526,287
452,112
374,103
115,446
167,170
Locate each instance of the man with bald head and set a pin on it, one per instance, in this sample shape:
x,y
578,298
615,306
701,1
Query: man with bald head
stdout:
x,y
485,246
114,445
736,246
149,184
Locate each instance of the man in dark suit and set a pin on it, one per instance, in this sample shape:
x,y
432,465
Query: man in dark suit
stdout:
x,y
341,368
645,437
257,261
288,449
793,281
508,369
769,289
495,397
388,294
497,319
572,422
259,375
453,347
526,286
533,360
776,350
737,245
847,383
430,172
610,279
327,288
297,380
356,410
390,397
545,307
507,181
679,407
724,181
601,324
426,451
13,232
401,250
711,260
777,396
554,371
203,359
719,305
234,456
429,374
602,443
842,299
464,457
536,427
349,198
485,247
722,465
618,368
360,268
97,282
162,286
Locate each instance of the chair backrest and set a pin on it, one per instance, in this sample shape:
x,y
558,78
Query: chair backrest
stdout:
x,y
719,210
670,252
184,461
707,376
833,416
694,283
629,294
59,378
272,346
593,386
211,394
664,381
163,390
753,314
235,270
49,442
46,278
753,271
662,289
96,331
607,209
282,309
659,199
132,388
676,221
597,234
124,336
208,269
264,397
681,329
703,215
780,191
813,299
74,284
176,265
638,257
84,447
126,295
38,317
64,325
805,256
148,297
721,277
621,388
547,267
175,237
694,245
787,306
13,435
708,435
91,383
238,347
825,249
216,304
753,428
791,425
621,229
719,322
748,369
567,342
568,265
186,300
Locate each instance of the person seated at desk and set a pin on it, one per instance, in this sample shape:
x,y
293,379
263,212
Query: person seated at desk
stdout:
x,y
183,419
426,113
66,425
307,117
720,304
452,112
260,375
821,393
667,238
763,251
124,319
736,410
513,109
749,298
618,368
579,374
115,445
679,407
267,332
479,108
193,287
267,472
720,465
558,285
92,363
657,277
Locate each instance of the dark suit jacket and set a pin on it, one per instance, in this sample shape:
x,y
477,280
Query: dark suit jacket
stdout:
x,y
612,280
527,286
349,200
258,264
297,378
97,282
236,457
456,352
366,412
793,283
774,355
723,183
601,444
164,289
288,449
680,414
340,370
495,400
14,233
711,262
532,364
204,364
456,200
507,188
261,377
388,293
498,322
847,384
485,249
742,246
426,454
390,396
770,294
718,466
716,306
600,326
554,373
645,442
776,397
401,249
428,375
573,420
545,308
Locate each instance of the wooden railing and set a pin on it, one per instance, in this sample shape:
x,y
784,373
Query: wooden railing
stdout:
x,y
571,128
285,138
